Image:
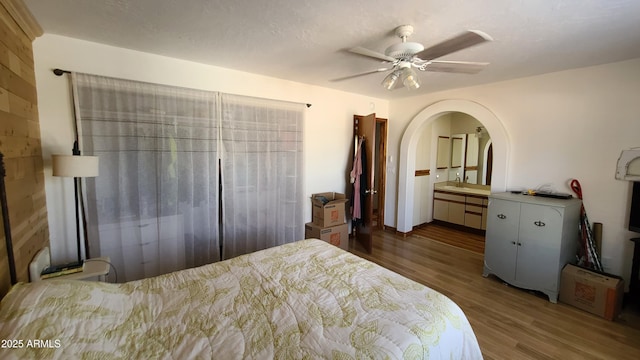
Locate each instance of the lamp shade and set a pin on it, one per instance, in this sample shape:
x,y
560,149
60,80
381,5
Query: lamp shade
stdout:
x,y
390,81
410,79
75,165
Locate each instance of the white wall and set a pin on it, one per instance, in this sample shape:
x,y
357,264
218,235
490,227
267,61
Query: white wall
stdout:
x,y
328,127
421,209
463,123
561,126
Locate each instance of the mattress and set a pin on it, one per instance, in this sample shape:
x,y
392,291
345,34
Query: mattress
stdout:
x,y
306,299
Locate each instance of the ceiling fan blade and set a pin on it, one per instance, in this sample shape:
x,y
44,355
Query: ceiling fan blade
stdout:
x,y
461,67
370,53
462,41
361,74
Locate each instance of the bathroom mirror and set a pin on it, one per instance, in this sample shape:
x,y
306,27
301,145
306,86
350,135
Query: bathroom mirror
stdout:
x,y
457,150
472,151
471,159
442,161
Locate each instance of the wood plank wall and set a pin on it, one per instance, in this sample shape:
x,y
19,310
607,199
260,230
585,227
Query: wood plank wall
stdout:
x,y
20,140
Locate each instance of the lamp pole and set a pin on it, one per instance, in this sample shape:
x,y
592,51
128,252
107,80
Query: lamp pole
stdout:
x,y
76,152
76,166
7,223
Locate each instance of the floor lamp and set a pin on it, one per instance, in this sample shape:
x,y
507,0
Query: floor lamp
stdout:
x,y
76,167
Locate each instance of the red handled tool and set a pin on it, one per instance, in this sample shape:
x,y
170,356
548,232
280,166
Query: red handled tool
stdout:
x,y
589,256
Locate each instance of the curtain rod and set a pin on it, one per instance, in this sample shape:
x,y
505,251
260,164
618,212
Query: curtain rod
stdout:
x,y
59,72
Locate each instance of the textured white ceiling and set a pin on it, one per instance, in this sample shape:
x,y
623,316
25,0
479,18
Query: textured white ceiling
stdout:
x,y
305,40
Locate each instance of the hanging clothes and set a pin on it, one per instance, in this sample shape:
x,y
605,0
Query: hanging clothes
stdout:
x,y
358,179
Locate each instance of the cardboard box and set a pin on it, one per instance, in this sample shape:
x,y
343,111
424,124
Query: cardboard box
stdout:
x,y
330,214
597,293
335,235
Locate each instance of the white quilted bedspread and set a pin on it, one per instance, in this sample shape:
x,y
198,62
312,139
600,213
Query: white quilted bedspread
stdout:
x,y
305,300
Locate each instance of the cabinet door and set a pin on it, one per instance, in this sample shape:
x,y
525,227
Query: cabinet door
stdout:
x,y
132,266
473,216
171,240
149,247
149,257
440,210
121,242
539,246
456,212
501,238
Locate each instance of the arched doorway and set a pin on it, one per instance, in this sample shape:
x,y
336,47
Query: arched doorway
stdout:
x,y
409,142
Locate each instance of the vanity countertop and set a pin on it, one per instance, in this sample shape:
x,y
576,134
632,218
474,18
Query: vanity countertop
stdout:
x,y
463,189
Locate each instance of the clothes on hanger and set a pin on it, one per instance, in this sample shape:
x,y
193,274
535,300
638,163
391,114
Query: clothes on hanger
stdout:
x,y
358,179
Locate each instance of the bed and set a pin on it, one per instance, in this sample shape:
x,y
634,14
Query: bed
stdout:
x,y
307,299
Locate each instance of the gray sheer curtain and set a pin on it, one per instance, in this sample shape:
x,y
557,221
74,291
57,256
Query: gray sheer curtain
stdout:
x,y
262,168
154,207
157,205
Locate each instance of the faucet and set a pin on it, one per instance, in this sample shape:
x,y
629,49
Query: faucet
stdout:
x,y
458,182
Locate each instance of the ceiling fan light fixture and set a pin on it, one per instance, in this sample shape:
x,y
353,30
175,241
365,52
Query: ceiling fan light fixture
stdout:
x,y
390,80
410,79
406,56
403,50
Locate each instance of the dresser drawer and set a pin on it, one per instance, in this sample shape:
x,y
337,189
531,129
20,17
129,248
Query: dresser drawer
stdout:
x,y
475,200
448,196
477,209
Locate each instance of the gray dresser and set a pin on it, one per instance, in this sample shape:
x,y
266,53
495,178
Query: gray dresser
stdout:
x,y
529,239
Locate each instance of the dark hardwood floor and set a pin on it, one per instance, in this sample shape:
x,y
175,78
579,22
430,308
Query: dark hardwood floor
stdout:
x,y
510,323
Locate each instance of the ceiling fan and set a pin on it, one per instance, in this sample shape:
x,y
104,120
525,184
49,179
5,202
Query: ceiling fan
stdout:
x,y
405,56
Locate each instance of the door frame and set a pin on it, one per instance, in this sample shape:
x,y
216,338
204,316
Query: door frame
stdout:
x,y
382,168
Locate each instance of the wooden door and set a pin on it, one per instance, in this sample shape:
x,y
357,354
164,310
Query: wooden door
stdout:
x,y
489,165
365,126
381,170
